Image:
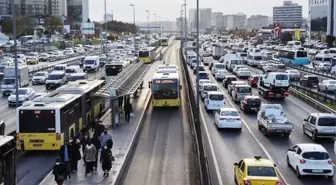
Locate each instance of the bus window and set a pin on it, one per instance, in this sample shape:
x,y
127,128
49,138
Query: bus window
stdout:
x,y
39,118
143,53
301,54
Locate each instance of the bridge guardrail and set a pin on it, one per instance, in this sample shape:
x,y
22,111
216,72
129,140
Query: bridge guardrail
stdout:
x,y
194,119
307,70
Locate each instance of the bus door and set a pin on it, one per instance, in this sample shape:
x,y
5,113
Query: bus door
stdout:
x,y
7,164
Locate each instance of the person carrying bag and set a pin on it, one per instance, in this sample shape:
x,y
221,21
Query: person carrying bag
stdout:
x,y
59,171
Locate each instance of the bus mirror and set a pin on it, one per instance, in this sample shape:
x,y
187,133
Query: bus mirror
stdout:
x,y
149,84
2,127
180,87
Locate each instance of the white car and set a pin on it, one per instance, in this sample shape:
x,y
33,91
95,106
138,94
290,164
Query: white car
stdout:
x,y
40,77
25,94
235,69
243,72
221,73
293,74
327,85
214,101
310,159
203,81
228,118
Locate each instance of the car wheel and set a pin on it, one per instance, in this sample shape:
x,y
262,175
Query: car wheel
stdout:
x,y
313,137
330,177
298,175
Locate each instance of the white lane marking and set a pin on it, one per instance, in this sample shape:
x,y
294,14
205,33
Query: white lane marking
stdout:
x,y
214,158
250,131
299,105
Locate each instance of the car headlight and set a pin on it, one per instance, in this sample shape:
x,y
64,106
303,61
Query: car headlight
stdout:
x,y
9,99
21,98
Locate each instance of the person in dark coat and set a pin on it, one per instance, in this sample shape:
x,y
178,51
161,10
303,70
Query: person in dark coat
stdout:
x,y
66,157
128,110
96,142
75,154
120,101
99,129
84,142
106,160
59,171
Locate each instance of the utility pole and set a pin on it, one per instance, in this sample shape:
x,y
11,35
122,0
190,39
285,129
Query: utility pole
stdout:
x,y
106,50
185,22
134,25
155,22
148,19
15,57
197,53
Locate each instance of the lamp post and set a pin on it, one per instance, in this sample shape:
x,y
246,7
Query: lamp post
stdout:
x,y
197,53
15,58
132,5
106,50
185,20
154,22
148,19
160,29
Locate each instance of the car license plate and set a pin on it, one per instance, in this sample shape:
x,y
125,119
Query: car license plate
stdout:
x,y
278,95
37,145
317,171
230,120
253,108
279,130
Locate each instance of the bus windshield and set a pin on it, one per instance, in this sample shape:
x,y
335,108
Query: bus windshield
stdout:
x,y
300,54
143,53
37,121
165,89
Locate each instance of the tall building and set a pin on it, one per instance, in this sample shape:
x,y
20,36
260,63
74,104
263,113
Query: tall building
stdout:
x,y
78,12
321,15
217,20
289,15
235,21
58,7
257,21
180,23
108,17
204,18
6,7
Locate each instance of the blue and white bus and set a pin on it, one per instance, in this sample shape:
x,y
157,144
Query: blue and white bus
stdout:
x,y
297,57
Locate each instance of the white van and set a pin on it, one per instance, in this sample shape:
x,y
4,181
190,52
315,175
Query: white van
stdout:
x,y
254,58
232,62
60,67
214,101
71,70
294,44
322,58
91,63
216,67
275,79
208,87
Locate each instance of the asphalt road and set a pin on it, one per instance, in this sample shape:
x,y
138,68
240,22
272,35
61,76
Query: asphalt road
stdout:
x,y
163,154
231,146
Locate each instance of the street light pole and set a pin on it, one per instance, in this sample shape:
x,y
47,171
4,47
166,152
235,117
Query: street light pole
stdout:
x,y
197,53
15,58
155,22
160,30
185,21
134,24
148,19
106,50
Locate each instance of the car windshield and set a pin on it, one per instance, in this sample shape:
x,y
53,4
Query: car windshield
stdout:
x,y
89,62
243,55
244,89
7,81
294,72
70,71
254,101
216,97
39,74
219,66
319,59
21,91
229,113
315,155
210,88
103,59
204,81
313,78
203,74
281,77
261,171
58,68
257,58
281,67
55,77
327,122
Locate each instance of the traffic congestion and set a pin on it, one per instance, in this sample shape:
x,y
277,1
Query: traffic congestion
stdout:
x,y
243,89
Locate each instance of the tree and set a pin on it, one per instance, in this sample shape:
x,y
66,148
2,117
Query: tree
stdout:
x,y
23,26
330,39
53,23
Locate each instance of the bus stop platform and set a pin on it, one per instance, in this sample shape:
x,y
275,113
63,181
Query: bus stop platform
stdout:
x,y
123,136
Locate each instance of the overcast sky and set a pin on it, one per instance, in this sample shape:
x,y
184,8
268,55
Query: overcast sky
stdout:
x,y
170,9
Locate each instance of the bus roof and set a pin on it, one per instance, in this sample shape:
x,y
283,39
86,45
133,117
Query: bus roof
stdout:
x,y
147,49
50,101
165,76
79,86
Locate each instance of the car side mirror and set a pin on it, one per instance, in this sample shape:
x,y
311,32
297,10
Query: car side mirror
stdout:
x,y
235,164
180,87
305,119
291,150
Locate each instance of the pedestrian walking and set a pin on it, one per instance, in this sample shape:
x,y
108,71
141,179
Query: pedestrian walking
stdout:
x,y
120,101
104,137
65,155
83,132
96,142
59,171
128,110
89,155
75,154
99,129
84,142
106,160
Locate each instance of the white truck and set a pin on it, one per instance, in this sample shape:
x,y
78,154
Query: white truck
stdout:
x,y
8,83
273,85
273,121
217,51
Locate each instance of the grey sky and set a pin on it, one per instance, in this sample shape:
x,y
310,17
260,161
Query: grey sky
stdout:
x,y
170,9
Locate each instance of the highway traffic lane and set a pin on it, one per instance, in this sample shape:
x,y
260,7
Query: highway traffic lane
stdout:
x,y
277,147
163,154
229,145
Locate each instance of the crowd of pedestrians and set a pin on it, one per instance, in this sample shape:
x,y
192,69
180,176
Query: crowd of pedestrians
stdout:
x,y
88,149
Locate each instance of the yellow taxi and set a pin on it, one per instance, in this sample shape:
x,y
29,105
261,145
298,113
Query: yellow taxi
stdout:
x,y
256,171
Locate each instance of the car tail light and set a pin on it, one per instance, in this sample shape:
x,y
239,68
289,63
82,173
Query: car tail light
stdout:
x,y
278,183
330,161
302,161
17,136
270,94
58,136
247,182
286,93
221,118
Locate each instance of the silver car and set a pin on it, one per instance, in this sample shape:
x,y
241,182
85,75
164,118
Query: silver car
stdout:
x,y
327,85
